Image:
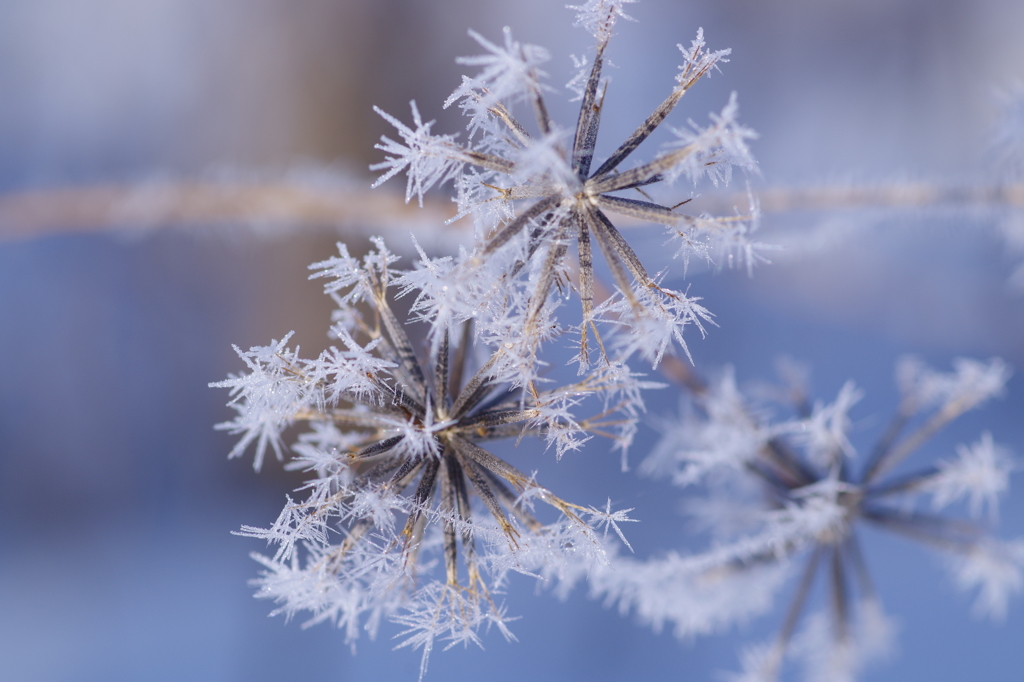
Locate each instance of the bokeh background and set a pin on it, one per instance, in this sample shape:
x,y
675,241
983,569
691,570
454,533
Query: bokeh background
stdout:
x,y
116,497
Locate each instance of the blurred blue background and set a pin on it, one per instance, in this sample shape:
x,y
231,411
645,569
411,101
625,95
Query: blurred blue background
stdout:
x,y
116,497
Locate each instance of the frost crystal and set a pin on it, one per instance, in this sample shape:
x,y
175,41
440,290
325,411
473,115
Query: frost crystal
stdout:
x,y
981,473
599,16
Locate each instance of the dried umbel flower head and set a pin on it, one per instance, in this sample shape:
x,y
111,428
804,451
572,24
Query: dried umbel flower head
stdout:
x,y
396,451
808,496
534,193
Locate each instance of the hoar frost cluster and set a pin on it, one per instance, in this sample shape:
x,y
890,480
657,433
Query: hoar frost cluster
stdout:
x,y
393,438
780,492
532,194
409,516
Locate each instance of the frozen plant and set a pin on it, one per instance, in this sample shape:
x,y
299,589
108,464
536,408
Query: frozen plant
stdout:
x,y
781,492
385,528
533,193
409,516
395,453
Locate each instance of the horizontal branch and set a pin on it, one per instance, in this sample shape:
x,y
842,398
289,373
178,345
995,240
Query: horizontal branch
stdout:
x,y
284,204
894,195
262,205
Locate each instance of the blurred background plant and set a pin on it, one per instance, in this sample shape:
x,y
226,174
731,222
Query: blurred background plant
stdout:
x,y
143,140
